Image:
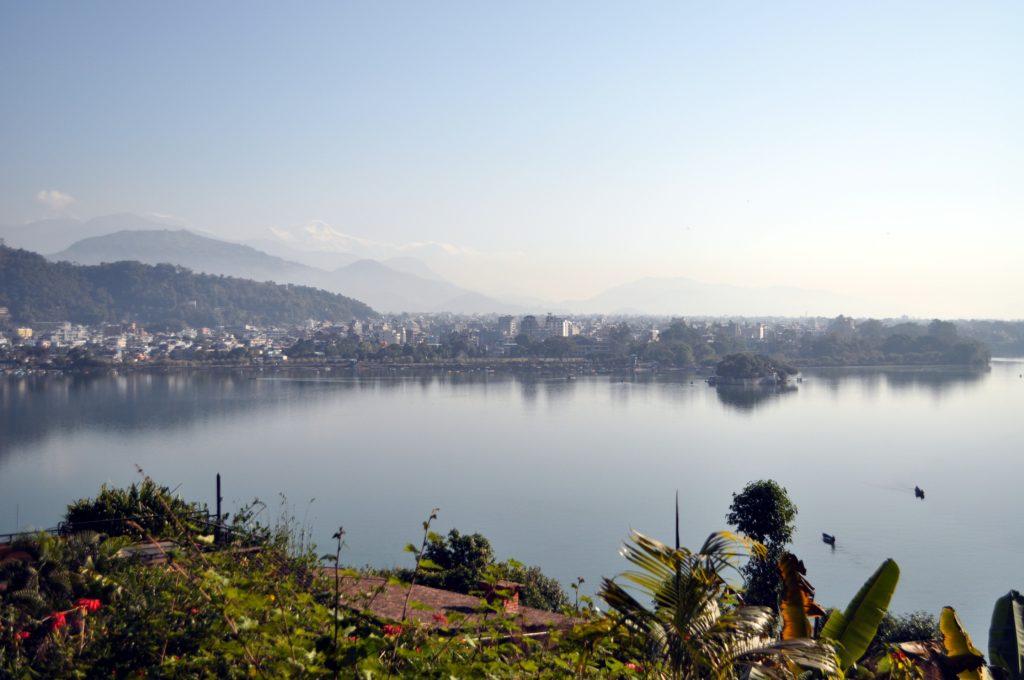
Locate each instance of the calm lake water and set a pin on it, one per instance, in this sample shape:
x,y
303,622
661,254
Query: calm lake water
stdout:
x,y
556,472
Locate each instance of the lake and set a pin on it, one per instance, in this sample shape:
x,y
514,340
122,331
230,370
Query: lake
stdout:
x,y
556,472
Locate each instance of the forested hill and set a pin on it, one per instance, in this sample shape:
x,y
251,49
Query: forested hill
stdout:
x,y
34,289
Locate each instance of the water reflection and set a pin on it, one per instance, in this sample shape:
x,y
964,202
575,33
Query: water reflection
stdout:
x,y
31,408
748,398
529,460
35,407
936,380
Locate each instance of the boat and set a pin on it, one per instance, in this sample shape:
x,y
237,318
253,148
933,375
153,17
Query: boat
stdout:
x,y
829,538
919,492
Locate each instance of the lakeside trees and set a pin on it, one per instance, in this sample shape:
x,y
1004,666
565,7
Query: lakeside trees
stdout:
x,y
681,345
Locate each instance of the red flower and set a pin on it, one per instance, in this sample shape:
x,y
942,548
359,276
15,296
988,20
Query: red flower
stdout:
x,y
392,629
632,666
23,635
440,617
59,620
193,611
88,604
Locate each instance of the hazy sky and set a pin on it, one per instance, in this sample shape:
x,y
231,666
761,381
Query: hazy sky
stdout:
x,y
872,149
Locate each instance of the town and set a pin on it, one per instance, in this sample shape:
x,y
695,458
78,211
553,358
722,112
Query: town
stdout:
x,y
599,342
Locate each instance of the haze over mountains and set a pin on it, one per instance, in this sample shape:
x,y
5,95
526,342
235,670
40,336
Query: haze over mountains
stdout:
x,y
678,295
390,287
51,235
388,277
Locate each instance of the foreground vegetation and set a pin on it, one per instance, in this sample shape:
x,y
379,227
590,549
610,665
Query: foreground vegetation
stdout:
x,y
252,599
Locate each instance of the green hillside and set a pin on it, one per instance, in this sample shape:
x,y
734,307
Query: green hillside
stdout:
x,y
34,289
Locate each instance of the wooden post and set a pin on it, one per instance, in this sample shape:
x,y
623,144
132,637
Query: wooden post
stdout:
x,y
216,531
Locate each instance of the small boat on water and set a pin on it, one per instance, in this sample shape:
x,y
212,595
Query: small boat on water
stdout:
x,y
919,492
829,539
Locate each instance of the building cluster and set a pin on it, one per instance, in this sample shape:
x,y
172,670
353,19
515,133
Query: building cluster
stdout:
x,y
478,335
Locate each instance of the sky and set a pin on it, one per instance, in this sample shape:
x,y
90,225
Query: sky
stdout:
x,y
873,149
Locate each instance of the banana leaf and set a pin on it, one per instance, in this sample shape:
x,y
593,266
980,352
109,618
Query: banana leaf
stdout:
x,y
854,628
1006,635
966,659
797,599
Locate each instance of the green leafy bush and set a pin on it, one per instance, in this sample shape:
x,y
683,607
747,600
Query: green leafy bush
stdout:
x,y
139,510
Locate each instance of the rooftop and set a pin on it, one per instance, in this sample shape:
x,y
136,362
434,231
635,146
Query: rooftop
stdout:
x,y
387,600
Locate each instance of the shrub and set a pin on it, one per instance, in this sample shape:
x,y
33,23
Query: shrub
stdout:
x,y
140,509
538,591
910,627
465,561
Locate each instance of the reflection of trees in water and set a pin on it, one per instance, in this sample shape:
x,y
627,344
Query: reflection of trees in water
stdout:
x,y
934,380
748,398
937,380
34,407
554,389
559,389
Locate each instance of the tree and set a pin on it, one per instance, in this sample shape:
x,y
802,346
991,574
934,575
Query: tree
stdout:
x,y
911,627
461,557
943,330
538,590
764,513
619,338
465,561
556,347
750,366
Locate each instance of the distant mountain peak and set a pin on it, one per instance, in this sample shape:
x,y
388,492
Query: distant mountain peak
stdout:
x,y
382,286
319,235
52,235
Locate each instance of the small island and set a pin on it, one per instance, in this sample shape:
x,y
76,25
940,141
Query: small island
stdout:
x,y
748,369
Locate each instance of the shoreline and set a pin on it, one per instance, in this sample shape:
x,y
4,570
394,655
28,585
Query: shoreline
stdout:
x,y
568,368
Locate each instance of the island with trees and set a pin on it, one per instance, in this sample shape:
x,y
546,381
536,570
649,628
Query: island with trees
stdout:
x,y
745,368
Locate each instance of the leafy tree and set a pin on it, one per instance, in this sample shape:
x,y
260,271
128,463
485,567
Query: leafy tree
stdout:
x,y
145,508
620,336
749,366
943,330
538,590
911,627
556,347
763,512
465,561
462,559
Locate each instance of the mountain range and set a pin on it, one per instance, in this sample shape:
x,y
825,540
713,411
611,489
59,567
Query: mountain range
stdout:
x,y
47,236
395,285
388,277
